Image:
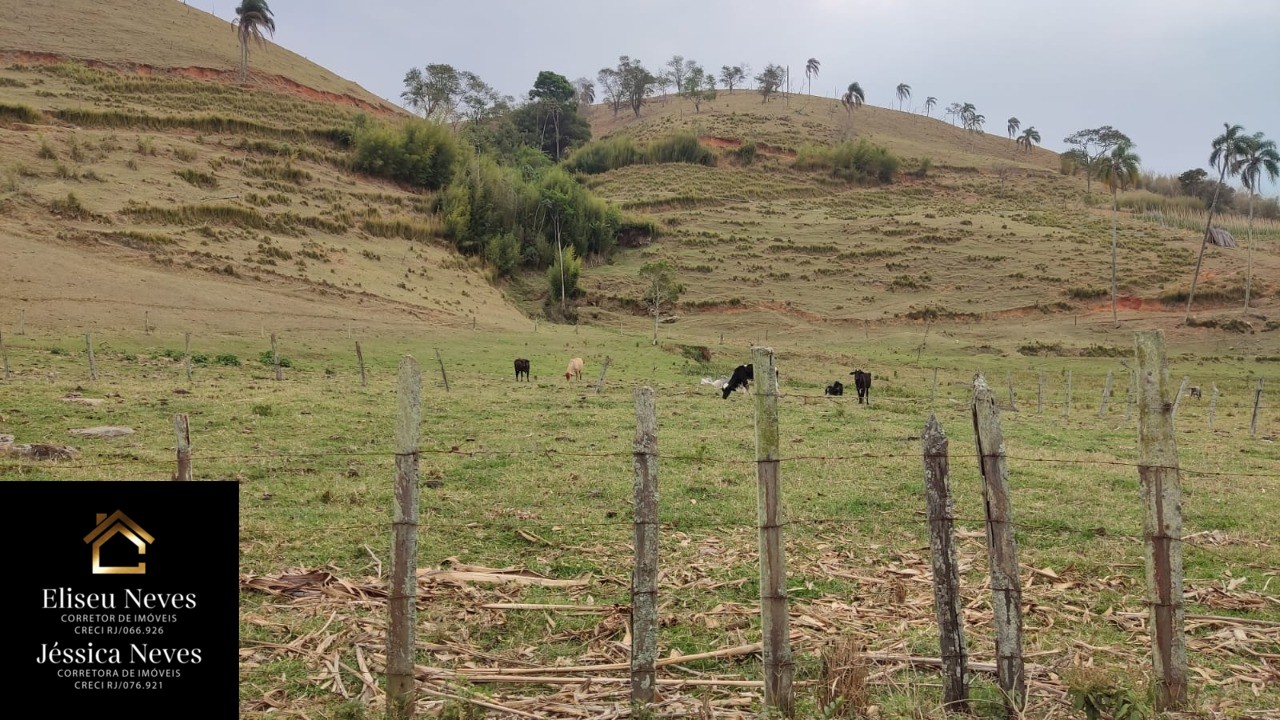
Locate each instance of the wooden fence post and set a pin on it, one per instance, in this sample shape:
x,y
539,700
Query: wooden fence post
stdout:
x,y
403,589
1040,394
775,624
946,568
1177,399
360,359
182,429
4,355
1006,587
1213,403
1068,393
1013,404
443,375
1161,489
933,394
605,369
22,323
644,579
146,322
1257,402
275,357
186,356
93,366
1129,397
1106,395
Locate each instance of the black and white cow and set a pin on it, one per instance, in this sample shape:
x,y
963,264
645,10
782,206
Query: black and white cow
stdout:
x,y
835,388
862,381
741,378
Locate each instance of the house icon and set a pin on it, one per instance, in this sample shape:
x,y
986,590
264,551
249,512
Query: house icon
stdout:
x,y
117,523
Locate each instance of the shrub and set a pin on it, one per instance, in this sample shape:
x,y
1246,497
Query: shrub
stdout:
x,y
418,153
617,152
265,358
20,113
572,271
746,153
855,162
227,359
197,178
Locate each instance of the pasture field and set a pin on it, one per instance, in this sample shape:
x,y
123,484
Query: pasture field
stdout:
x,y
537,476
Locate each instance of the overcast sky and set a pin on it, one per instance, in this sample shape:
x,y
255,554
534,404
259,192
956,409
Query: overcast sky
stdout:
x,y
1168,73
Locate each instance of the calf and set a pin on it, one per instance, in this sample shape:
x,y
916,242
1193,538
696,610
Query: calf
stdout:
x,y
574,371
522,368
835,388
1195,392
862,381
741,378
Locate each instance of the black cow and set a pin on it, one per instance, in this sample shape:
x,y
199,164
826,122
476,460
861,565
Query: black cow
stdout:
x,y
1195,392
522,368
835,388
862,380
742,377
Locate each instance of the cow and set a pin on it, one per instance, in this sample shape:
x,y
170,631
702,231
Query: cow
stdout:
x,y
862,381
522,368
835,389
1195,392
741,378
574,371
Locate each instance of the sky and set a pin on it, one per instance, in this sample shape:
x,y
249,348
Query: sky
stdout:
x,y
1168,73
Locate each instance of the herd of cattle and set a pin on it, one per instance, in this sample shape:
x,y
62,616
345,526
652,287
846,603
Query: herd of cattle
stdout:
x,y
741,379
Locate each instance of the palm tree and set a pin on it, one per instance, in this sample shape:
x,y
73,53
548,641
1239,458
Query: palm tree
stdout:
x,y
811,71
1227,149
966,113
1029,138
252,17
929,102
976,121
853,97
1014,124
1259,157
904,93
1117,170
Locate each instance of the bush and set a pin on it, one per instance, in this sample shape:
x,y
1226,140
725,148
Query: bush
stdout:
x,y
746,153
227,359
617,152
265,358
418,153
572,271
855,162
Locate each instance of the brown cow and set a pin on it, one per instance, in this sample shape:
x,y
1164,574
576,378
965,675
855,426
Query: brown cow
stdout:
x,y
574,371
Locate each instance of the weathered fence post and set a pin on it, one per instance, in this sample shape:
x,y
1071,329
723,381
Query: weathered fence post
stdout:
x,y
186,356
1129,398
275,357
182,429
4,355
644,579
1257,402
1040,394
1213,403
443,375
93,366
603,370
946,568
933,394
1006,587
775,624
1013,404
1106,396
403,589
1161,489
1177,399
1068,393
360,359
22,323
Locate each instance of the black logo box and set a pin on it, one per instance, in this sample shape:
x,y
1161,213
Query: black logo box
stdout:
x,y
150,643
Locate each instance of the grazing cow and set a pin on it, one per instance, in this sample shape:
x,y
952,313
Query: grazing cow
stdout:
x,y
834,389
574,371
1195,392
862,381
742,377
522,368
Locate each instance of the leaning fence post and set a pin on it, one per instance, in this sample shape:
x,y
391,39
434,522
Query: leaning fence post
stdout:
x,y
933,394
182,430
4,354
1106,395
946,567
1177,399
360,359
775,624
1006,588
443,375
93,366
605,369
275,357
644,579
403,590
1161,521
1257,402
1213,403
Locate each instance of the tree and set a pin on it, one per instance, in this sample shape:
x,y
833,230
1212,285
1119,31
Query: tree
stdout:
x,y
1029,138
811,71
1118,169
929,102
433,91
732,76
1014,124
699,86
679,71
663,289
584,92
611,84
853,97
1091,145
252,17
904,93
552,93
976,121
954,111
1260,157
635,82
1227,150
769,80
481,101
